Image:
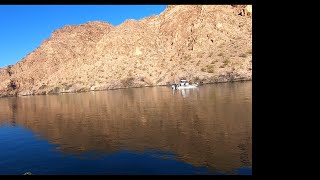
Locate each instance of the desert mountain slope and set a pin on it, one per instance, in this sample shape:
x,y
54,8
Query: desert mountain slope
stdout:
x,y
208,43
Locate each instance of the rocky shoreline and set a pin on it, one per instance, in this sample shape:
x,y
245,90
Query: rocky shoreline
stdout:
x,y
103,88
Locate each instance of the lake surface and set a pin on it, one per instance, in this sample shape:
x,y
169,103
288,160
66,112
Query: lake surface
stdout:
x,y
153,130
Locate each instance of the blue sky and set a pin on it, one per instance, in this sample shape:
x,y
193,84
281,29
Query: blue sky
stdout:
x,y
25,27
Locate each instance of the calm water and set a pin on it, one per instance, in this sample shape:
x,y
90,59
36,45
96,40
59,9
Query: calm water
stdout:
x,y
130,131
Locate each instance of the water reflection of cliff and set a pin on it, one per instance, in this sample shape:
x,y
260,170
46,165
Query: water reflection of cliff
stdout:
x,y
210,126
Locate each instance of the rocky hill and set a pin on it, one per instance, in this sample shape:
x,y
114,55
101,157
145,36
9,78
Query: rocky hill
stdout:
x,y
209,43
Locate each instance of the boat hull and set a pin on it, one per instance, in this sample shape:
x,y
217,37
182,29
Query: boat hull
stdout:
x,y
187,87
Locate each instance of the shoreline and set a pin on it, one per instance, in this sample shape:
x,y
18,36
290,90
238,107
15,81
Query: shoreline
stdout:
x,y
82,91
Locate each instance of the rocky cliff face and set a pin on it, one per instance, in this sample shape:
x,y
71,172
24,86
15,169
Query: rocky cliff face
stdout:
x,y
209,43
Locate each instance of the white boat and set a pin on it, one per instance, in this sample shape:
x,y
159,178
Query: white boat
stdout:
x,y
184,84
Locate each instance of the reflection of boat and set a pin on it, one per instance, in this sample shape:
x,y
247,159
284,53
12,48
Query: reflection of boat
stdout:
x,y
185,92
184,84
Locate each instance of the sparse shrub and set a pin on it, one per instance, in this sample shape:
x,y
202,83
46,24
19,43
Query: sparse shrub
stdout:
x,y
243,55
68,86
210,54
210,66
130,73
54,90
127,82
12,85
9,71
220,54
226,62
211,70
212,62
187,57
43,86
249,51
198,63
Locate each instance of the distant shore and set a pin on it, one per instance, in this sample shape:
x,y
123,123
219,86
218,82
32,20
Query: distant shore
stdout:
x,y
19,94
